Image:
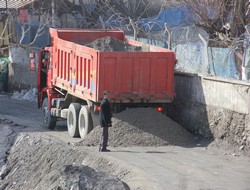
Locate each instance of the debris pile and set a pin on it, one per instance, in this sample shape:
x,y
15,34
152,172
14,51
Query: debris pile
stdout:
x,y
141,127
37,162
112,44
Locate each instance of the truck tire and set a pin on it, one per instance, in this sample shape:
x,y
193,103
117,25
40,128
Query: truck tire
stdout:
x,y
85,122
49,121
72,119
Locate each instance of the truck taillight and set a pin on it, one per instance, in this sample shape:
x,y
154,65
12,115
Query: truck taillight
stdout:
x,y
97,108
159,109
32,65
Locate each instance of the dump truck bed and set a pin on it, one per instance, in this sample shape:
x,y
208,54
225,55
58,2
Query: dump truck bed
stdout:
x,y
85,72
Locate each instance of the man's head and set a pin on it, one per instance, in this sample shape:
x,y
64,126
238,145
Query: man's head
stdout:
x,y
106,94
45,61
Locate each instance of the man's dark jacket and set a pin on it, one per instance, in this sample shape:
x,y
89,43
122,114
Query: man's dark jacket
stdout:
x,y
105,113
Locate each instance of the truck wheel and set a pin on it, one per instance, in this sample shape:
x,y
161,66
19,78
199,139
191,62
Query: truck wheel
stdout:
x,y
49,121
72,119
85,122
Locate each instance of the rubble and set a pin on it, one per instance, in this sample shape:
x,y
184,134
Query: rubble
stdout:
x,y
141,127
112,44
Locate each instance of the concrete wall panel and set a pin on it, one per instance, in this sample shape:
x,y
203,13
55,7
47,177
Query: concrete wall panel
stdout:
x,y
212,107
229,94
20,76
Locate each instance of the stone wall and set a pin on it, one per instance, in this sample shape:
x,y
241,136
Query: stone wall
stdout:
x,y
20,76
205,105
213,91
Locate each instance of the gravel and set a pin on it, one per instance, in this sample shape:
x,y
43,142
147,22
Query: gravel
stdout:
x,y
141,127
110,44
37,161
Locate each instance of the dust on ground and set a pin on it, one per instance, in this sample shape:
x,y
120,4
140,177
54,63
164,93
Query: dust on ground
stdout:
x,y
8,132
223,129
38,161
230,131
110,44
141,127
33,160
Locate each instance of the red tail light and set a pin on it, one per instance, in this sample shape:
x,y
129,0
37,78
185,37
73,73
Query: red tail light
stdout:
x,y
159,109
97,108
32,65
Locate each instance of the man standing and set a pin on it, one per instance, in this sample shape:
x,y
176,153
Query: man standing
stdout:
x,y
105,121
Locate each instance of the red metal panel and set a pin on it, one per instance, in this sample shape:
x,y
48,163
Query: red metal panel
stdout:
x,y
137,75
144,74
109,73
83,36
83,75
127,76
86,73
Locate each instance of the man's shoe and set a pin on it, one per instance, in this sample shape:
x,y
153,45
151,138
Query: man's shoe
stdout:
x,y
105,150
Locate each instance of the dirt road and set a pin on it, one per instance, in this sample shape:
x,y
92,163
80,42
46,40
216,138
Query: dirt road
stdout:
x,y
168,167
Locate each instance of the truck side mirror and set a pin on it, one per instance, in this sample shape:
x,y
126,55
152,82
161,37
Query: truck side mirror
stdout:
x,y
32,62
32,55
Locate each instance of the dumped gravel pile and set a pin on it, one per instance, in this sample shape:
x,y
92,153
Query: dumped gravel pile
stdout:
x,y
113,44
141,127
36,161
8,131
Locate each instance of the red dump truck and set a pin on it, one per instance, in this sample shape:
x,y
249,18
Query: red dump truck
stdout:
x,y
72,77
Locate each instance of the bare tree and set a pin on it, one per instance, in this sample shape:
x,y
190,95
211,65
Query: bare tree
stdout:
x,y
132,12
40,12
87,13
4,18
125,14
224,20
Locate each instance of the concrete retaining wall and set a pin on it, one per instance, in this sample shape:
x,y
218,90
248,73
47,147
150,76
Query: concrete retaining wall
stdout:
x,y
204,105
224,93
20,76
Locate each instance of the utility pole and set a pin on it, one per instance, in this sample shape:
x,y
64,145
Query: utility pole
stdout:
x,y
6,4
6,20
53,10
